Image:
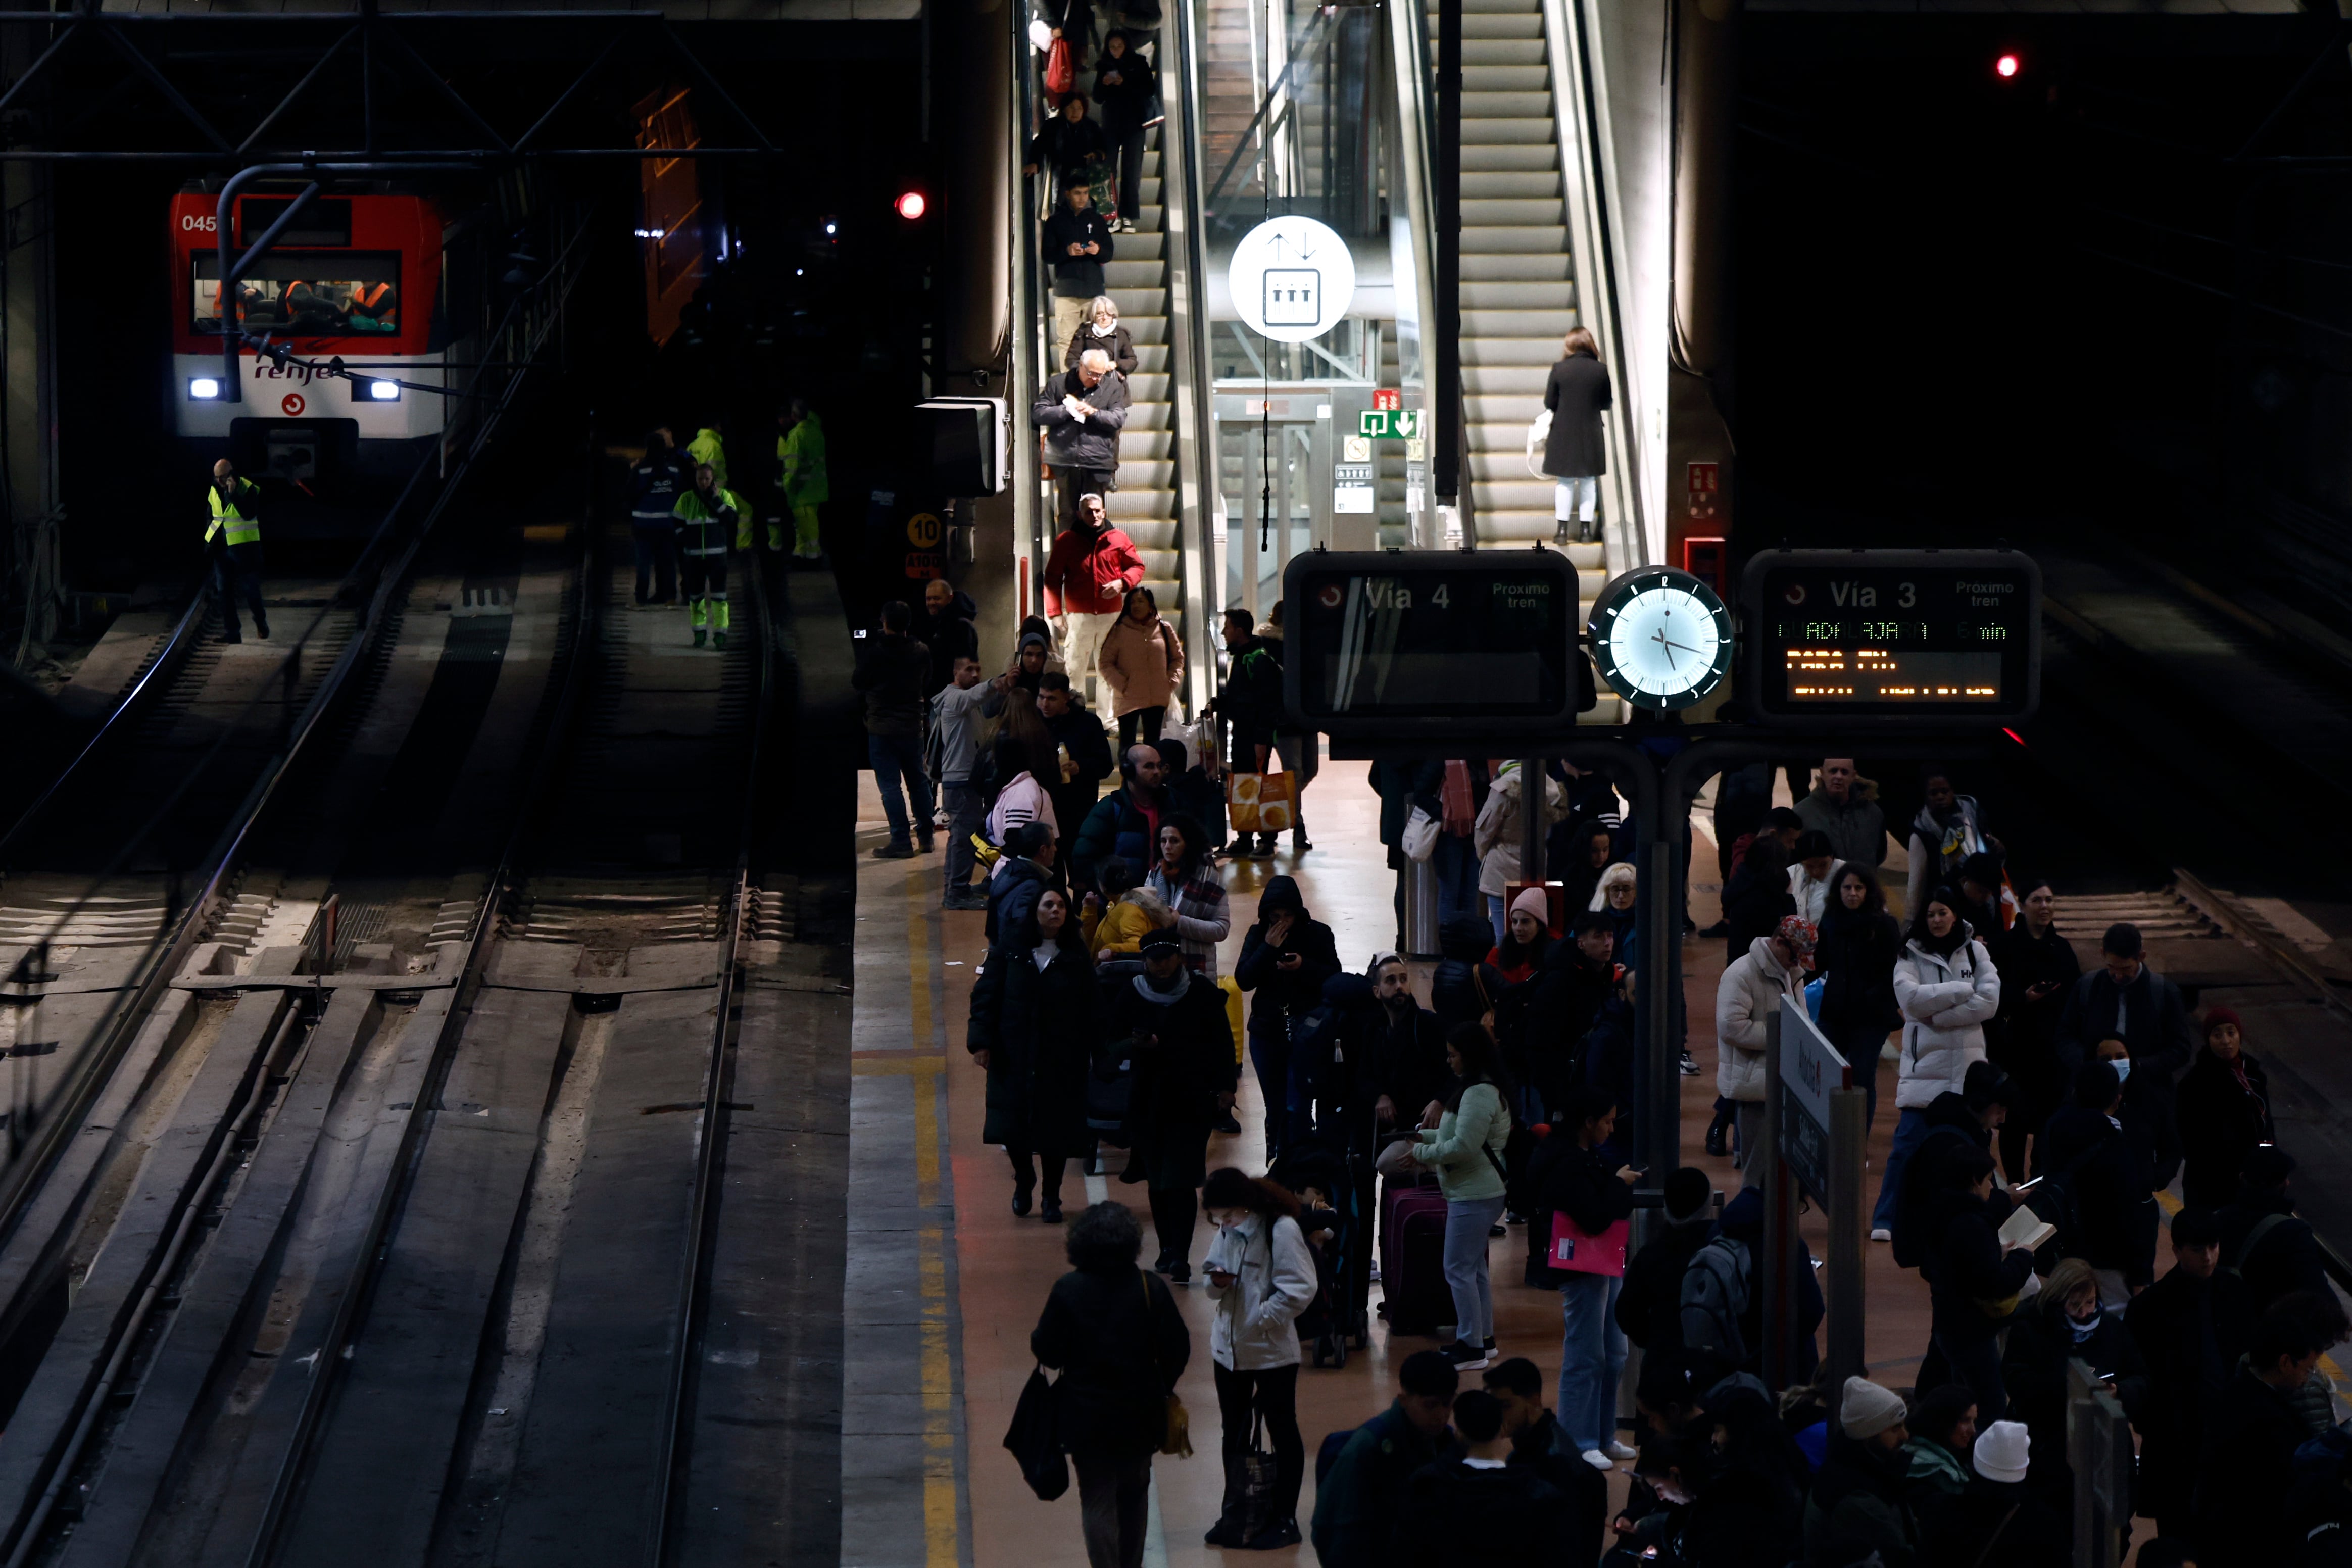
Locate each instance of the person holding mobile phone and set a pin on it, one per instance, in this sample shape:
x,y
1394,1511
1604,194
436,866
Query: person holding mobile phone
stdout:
x,y
2064,1324
1261,1276
1286,959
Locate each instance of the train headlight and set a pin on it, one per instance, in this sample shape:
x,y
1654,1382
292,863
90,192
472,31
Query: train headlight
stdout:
x,y
384,391
203,389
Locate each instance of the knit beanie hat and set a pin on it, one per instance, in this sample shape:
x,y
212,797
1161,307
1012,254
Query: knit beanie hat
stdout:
x,y
1867,1409
1533,901
2217,1016
2001,1451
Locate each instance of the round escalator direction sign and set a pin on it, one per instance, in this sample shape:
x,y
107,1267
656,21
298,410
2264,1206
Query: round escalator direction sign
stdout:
x,y
1292,279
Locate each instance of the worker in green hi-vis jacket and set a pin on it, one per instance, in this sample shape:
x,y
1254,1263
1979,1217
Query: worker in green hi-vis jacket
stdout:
x,y
800,458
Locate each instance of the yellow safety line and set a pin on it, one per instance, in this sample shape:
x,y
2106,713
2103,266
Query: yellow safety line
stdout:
x,y
884,1067
2172,1205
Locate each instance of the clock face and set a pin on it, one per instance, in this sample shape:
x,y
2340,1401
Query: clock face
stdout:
x,y
1661,637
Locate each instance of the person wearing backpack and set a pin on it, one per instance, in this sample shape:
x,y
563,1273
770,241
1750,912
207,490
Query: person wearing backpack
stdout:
x,y
1946,987
1466,1149
2264,1241
1650,1306
1720,1308
1358,1489
1580,1184
1286,959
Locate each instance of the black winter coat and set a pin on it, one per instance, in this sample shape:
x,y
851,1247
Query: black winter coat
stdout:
x,y
2156,1032
1470,1517
1119,1345
2001,1522
2113,1174
1576,392
2191,1332
1183,1056
1127,102
2247,1476
1119,346
1544,1020
948,637
1012,892
1964,1266
2033,1374
1091,444
1567,1178
2221,1120
1064,145
2023,1035
1649,1308
1754,901
1404,1059
1857,959
1284,995
1950,1128
2283,1258
1039,1029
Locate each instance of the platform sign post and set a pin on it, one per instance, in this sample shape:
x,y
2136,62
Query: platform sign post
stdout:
x,y
1816,1120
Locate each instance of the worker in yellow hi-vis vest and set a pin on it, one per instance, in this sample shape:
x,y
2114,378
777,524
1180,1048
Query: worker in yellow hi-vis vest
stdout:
x,y
707,447
799,461
234,542
706,515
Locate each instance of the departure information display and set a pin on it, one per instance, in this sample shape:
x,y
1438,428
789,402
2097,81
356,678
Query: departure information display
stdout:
x,y
1891,634
1383,644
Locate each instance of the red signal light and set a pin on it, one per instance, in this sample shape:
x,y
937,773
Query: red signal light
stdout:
x,y
2007,66
911,206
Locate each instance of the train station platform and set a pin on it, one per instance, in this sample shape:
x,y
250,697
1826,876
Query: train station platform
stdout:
x,y
944,1283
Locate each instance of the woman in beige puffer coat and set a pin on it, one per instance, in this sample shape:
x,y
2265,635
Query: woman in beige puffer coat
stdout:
x,y
1142,662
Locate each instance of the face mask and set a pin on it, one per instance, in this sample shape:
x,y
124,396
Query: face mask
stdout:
x,y
2123,1069
2082,1331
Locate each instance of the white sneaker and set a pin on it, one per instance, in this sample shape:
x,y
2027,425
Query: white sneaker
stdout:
x,y
1880,1233
1621,1451
1599,1460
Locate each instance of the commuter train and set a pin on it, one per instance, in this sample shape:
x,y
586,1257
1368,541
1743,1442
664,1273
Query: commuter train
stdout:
x,y
364,273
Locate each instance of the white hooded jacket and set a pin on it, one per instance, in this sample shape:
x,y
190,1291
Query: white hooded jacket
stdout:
x,y
1945,1003
1274,1281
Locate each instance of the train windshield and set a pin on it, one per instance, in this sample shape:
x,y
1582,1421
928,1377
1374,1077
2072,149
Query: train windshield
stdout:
x,y
343,293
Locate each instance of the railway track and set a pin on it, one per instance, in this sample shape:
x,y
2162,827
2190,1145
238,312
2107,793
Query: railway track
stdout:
x,y
385,1235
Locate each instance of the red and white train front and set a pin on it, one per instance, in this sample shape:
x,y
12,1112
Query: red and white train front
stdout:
x,y
354,276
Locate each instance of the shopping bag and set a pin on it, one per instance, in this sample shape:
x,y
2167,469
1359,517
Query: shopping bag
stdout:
x,y
1420,834
1235,1016
1102,186
1252,1481
1581,1252
1260,803
1061,69
1035,1437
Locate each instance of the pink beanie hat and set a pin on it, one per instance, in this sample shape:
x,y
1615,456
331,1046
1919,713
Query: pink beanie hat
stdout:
x,y
1533,901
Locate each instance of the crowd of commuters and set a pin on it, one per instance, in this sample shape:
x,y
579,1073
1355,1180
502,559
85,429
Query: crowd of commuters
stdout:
x,y
1102,1021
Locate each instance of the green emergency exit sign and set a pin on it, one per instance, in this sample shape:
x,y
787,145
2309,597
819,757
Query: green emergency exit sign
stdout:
x,y
1389,424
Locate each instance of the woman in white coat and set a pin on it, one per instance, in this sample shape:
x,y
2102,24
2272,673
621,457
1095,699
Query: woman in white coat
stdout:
x,y
1497,834
1946,987
1261,1276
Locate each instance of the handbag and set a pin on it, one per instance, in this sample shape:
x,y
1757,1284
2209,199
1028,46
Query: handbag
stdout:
x,y
1260,803
1061,69
1035,1437
1419,840
1392,1161
1580,1251
1250,1482
1176,1436
1102,186
1539,434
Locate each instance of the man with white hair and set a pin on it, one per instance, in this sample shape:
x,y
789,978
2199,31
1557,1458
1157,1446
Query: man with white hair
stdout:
x,y
1092,564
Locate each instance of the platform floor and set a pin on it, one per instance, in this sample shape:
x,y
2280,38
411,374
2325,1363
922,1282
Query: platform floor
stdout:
x,y
945,1284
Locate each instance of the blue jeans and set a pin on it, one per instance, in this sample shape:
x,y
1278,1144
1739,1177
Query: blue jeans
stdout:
x,y
1496,917
1591,1358
899,761
1457,879
1270,1056
1467,1221
1910,1131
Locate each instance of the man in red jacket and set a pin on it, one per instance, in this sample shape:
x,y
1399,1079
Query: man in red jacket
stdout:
x,y
1087,574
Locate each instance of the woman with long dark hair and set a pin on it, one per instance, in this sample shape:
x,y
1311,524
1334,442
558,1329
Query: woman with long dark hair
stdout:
x,y
1465,1150
1526,938
2224,1112
1261,1276
2038,970
1142,662
1946,987
1575,454
1186,879
1286,958
1855,955
1035,1011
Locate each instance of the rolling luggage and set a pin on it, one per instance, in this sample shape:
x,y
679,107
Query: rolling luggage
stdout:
x,y
1412,1258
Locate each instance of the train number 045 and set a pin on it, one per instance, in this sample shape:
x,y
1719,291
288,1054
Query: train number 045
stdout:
x,y
191,223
